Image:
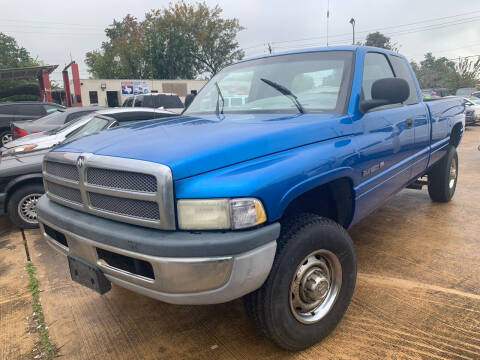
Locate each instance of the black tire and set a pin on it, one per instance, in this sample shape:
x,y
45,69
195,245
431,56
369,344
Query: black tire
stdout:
x,y
30,190
440,187
4,134
270,307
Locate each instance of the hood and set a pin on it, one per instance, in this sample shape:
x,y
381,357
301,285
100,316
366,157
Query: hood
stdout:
x,y
193,145
42,139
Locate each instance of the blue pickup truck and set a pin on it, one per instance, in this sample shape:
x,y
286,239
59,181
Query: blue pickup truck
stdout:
x,y
249,193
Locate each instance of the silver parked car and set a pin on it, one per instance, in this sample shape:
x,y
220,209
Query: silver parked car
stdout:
x,y
50,121
48,139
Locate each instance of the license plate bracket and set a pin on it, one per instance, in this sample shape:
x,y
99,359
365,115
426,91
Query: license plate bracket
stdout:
x,y
88,274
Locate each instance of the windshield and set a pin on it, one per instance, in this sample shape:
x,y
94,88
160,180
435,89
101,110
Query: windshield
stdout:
x,y
70,124
95,124
320,81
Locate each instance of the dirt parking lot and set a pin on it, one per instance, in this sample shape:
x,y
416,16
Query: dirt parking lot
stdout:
x,y
417,295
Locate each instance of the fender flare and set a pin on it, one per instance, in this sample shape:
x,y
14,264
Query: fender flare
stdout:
x,y
21,179
311,183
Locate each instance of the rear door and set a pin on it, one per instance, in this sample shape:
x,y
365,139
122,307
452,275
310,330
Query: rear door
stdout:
x,y
417,115
387,142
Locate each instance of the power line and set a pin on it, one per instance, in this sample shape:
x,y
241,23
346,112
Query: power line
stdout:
x,y
398,33
379,29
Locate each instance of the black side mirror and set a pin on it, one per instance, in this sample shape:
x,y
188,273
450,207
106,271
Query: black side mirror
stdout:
x,y
385,92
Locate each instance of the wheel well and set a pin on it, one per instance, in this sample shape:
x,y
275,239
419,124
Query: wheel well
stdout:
x,y
333,200
456,135
19,185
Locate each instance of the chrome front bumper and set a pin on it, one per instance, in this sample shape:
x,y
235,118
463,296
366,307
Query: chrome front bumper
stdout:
x,y
177,280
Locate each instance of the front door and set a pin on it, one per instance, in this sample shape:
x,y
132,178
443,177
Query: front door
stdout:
x,y
387,143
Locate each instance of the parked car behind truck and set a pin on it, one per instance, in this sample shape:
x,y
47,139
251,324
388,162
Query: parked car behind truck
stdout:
x,y
253,198
22,110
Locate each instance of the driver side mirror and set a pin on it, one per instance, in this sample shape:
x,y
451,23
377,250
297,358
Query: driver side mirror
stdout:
x,y
385,92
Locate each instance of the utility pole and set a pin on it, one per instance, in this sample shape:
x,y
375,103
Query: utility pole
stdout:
x,y
352,21
270,50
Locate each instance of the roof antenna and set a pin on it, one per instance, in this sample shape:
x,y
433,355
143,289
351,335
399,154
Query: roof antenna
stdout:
x,y
328,16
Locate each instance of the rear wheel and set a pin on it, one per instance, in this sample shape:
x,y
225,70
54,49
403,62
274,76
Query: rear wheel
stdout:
x,y
443,177
5,137
22,206
310,285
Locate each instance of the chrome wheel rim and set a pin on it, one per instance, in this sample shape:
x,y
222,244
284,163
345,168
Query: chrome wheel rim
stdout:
x,y
453,173
6,138
315,286
27,208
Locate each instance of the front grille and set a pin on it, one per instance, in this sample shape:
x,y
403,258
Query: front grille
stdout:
x,y
126,190
61,170
122,206
65,192
119,179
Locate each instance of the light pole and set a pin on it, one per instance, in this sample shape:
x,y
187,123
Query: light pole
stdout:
x,y
352,21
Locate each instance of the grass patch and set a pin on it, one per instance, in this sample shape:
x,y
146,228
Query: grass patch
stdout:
x,y
48,351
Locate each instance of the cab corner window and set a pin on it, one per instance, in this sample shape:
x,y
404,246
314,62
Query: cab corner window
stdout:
x,y
402,71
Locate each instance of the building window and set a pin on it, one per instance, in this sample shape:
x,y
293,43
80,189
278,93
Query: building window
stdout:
x,y
93,97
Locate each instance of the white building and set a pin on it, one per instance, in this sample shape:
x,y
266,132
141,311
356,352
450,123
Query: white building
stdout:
x,y
113,92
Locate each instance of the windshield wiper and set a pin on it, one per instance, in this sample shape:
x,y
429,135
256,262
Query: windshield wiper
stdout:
x,y
218,111
284,91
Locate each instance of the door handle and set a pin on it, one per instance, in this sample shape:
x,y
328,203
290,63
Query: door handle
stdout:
x,y
409,123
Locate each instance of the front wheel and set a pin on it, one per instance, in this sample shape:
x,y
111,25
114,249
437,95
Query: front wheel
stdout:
x,y
310,285
443,177
22,206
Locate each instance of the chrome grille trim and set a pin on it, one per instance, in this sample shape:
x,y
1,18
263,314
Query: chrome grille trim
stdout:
x,y
161,216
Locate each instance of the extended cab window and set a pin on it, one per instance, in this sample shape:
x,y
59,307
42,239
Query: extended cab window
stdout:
x,y
319,80
376,67
402,71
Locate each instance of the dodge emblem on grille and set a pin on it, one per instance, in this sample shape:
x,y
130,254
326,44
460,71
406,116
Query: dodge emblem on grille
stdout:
x,y
80,161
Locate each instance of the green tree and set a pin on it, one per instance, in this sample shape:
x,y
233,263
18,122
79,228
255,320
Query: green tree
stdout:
x,y
122,55
13,56
181,41
441,72
380,40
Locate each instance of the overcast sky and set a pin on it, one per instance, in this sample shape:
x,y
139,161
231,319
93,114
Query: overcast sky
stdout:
x,y
54,30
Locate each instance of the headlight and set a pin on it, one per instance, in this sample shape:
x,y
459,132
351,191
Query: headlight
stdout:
x,y
220,214
19,149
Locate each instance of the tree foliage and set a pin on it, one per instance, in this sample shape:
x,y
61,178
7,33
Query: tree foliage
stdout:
x,y
444,73
181,41
380,40
13,56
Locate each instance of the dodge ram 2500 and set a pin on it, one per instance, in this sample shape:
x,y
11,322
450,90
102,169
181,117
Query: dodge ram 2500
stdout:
x,y
250,192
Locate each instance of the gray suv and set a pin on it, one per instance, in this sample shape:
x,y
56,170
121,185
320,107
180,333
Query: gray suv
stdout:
x,y
22,110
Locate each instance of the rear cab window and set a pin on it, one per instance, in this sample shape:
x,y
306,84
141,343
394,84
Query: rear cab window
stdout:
x,y
168,102
402,71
